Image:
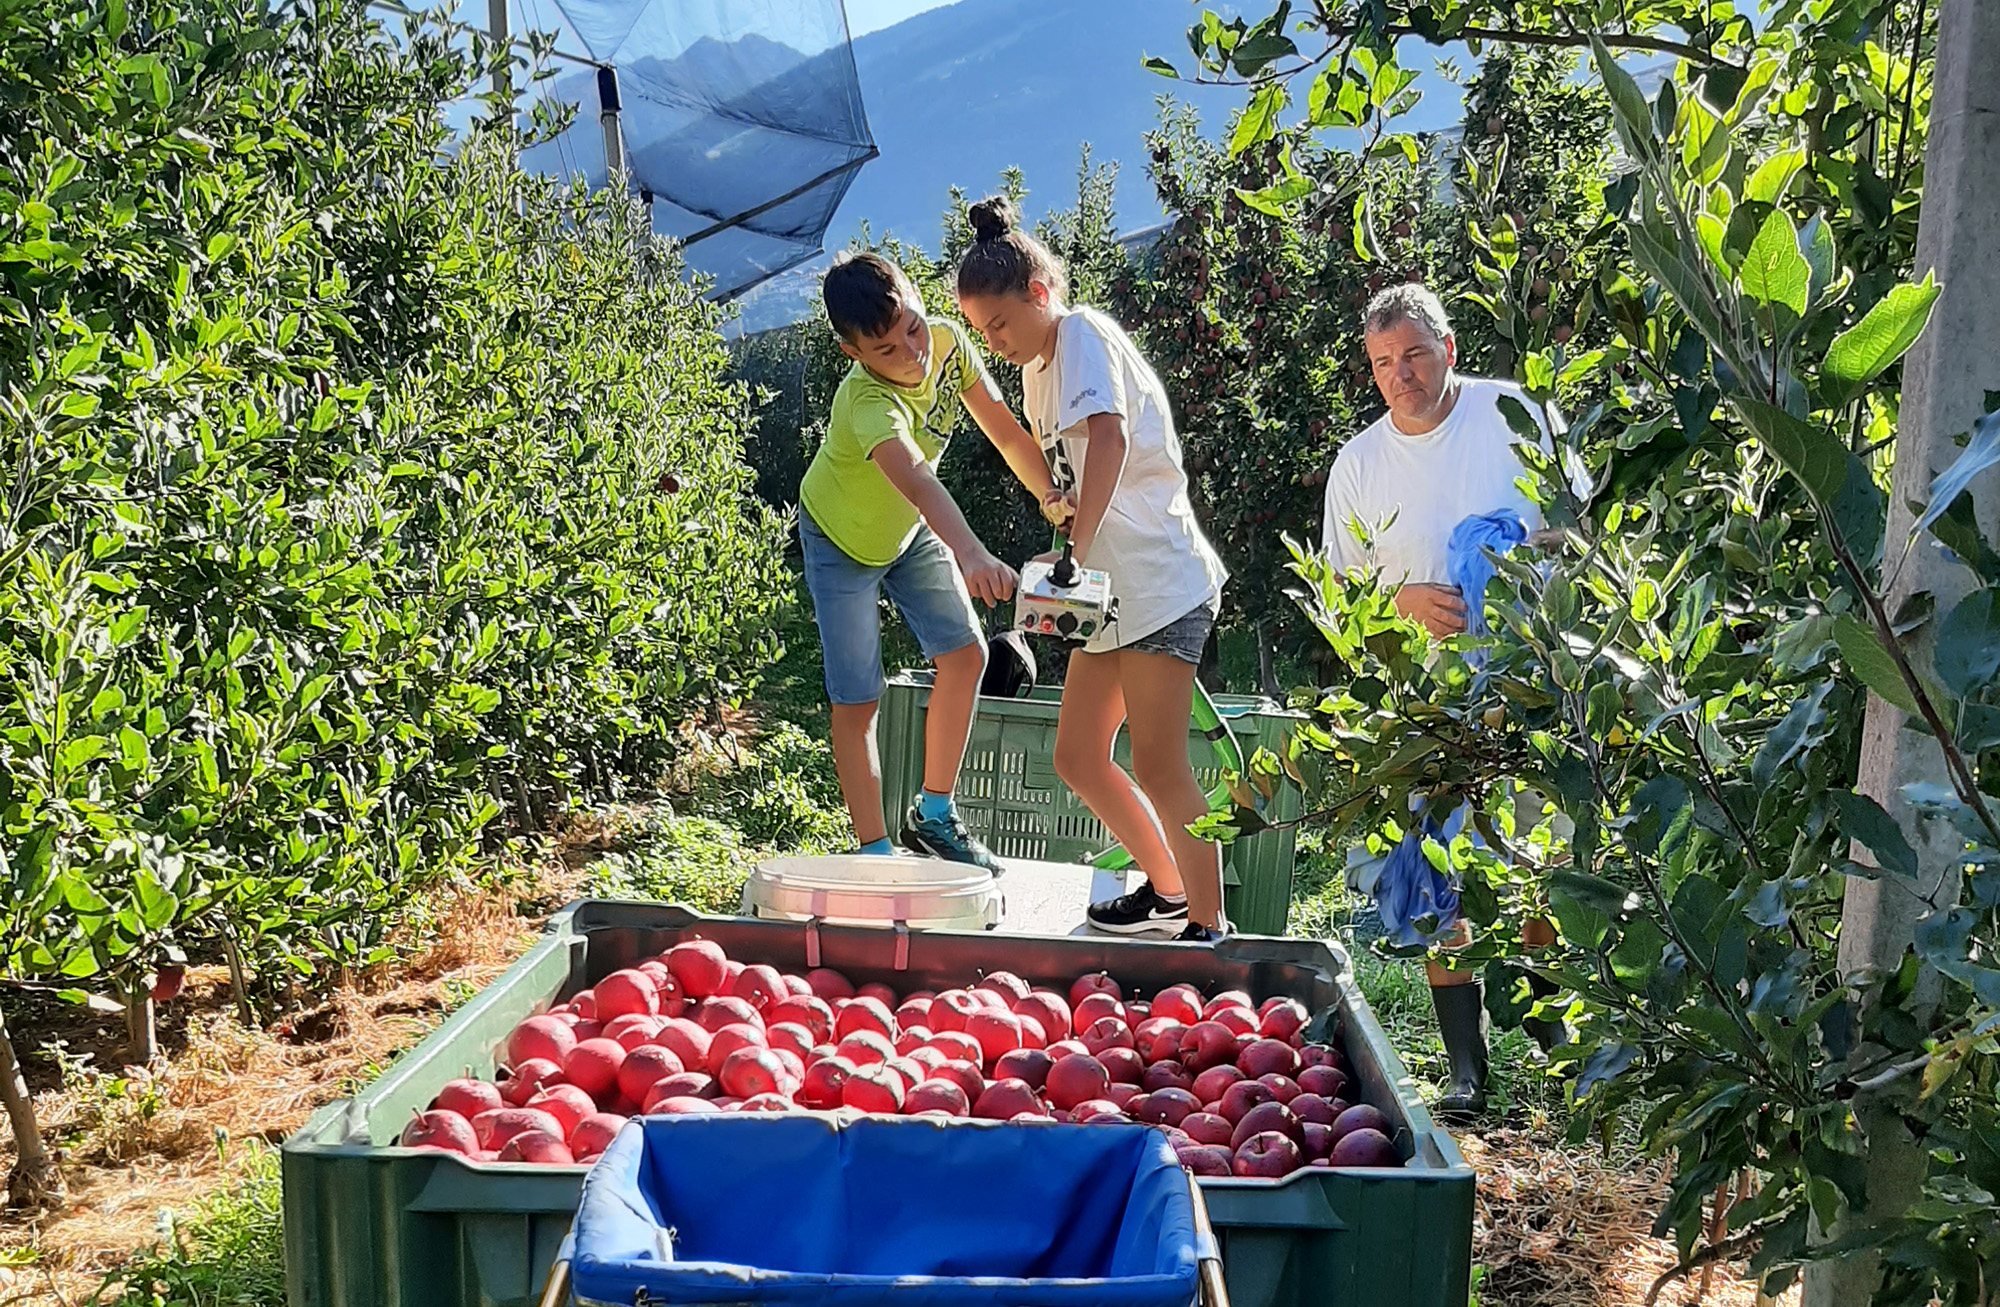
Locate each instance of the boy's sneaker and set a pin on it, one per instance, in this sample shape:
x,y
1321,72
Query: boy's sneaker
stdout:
x,y
1142,912
946,837
1196,933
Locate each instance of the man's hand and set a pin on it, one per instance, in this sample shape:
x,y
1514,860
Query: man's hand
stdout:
x,y
990,580
1437,608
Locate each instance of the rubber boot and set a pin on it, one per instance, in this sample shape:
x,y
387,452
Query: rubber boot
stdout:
x,y
1461,1013
1549,1034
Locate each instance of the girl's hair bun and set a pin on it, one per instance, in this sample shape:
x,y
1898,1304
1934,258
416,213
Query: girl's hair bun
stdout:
x,y
993,218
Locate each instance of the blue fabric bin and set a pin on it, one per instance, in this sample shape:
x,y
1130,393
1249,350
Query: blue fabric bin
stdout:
x,y
818,1209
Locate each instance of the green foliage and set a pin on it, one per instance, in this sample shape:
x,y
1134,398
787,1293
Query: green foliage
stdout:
x,y
229,1253
1684,676
697,861
362,490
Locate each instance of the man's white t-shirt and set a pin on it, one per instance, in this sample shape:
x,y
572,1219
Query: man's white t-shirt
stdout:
x,y
1161,566
1422,487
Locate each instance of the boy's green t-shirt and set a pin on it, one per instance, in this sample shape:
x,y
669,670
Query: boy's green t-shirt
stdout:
x,y
854,504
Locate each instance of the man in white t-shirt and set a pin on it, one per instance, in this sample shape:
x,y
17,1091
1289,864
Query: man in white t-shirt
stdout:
x,y
1442,453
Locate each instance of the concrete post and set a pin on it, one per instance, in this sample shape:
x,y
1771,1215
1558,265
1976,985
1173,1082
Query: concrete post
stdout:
x,y
608,108
1945,379
497,28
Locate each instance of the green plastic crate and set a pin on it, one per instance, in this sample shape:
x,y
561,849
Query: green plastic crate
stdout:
x,y
1013,801
373,1226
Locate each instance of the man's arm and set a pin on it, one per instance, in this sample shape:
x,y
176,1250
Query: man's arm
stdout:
x,y
986,577
1103,466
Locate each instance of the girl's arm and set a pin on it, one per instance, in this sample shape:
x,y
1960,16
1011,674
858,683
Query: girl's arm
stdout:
x,y
1103,466
986,577
1019,448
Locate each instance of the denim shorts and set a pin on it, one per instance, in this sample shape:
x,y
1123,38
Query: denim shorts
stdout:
x,y
926,586
1184,638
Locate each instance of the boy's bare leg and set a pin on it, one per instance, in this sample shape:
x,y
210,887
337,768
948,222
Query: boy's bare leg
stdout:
x,y
1161,766
948,720
860,771
1093,709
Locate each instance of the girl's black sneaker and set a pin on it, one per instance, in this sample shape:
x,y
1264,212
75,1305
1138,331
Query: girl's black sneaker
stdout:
x,y
1142,912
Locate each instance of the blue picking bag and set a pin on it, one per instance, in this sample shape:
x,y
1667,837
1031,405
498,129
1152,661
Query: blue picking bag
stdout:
x,y
807,1208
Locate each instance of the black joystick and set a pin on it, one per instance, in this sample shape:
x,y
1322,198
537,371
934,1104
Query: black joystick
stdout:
x,y
1064,575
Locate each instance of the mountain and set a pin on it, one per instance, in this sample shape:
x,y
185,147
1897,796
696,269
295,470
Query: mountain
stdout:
x,y
958,94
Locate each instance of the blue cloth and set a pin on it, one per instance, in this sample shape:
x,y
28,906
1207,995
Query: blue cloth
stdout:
x,y
1410,888
1471,569
808,1209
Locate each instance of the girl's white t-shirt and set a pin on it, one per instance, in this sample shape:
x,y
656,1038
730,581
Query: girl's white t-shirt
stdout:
x,y
1161,566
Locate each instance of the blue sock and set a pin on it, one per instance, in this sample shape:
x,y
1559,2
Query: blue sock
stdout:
x,y
879,848
933,807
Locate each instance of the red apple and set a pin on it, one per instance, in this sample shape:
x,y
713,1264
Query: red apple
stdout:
x,y
468,1097
1268,1056
1213,1083
1166,1075
1181,1003
1325,1081
1093,1009
440,1128
594,1134
566,1103
1029,1064
1266,1116
688,1041
1032,1033
930,1059
726,1010
1107,1032
912,1074
751,1071
760,986
963,1074
1316,1140
913,1013
829,984
537,1146
1164,1107
688,1084
1205,1159
937,1096
1207,1128
593,1067
1281,1018
866,1048
1227,998
1125,1065
1095,983
1311,1107
632,1030
495,1128
583,1006
952,1009
672,1000
807,1010
529,1079
1268,1156
1361,1117
873,1089
1318,1055
825,1082
1240,1097
990,999
681,1107
795,1039
1005,1099
699,967
880,992
1011,988
1239,1020
1365,1147
766,1103
1063,1048
997,1031
1206,1044
1121,1093
1050,1011
1283,1088
728,1040
1097,1109
797,985
865,1013
544,1037
1076,1079
657,969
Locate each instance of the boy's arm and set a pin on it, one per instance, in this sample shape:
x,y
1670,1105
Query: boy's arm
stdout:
x,y
1102,469
1022,452
986,577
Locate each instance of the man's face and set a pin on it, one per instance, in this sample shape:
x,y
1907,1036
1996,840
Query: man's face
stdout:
x,y
1411,368
902,354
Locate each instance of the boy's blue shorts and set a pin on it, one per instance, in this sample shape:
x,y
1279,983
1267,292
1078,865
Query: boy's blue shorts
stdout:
x,y
926,586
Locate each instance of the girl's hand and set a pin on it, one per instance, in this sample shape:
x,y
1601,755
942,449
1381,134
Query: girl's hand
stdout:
x,y
1058,507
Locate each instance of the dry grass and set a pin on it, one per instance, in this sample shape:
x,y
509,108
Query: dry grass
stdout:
x,y
1562,1227
139,1142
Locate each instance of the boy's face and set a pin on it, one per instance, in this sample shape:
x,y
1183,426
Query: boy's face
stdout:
x,y
902,354
1016,327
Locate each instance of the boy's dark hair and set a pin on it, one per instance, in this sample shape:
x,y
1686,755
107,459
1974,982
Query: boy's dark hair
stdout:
x,y
864,294
1003,258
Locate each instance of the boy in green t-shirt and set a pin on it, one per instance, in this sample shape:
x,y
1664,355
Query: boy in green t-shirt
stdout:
x,y
873,517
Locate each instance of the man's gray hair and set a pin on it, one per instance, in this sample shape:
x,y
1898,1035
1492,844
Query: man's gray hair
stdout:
x,y
1409,301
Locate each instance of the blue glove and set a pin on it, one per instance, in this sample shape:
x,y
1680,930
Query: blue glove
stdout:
x,y
1471,569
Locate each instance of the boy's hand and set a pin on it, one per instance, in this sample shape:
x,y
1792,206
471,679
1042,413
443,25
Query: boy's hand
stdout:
x,y
990,580
1058,507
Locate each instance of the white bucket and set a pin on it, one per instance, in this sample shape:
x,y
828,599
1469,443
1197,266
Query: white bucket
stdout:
x,y
850,889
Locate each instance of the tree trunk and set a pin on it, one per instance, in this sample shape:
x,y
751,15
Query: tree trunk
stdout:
x,y
34,1182
142,1041
1945,380
1267,661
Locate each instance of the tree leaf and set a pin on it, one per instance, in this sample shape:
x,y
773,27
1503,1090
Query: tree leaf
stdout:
x,y
1871,663
1773,271
1165,69
1809,452
1981,452
1863,820
1629,110
1866,349
1773,176
1260,119
1968,644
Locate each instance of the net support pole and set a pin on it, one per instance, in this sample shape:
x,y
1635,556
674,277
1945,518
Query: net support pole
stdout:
x,y
608,106
496,27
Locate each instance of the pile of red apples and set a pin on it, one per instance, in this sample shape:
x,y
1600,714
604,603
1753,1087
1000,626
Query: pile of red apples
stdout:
x,y
1237,1088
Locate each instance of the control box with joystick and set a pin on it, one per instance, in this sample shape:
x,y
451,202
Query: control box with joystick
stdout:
x,y
1063,600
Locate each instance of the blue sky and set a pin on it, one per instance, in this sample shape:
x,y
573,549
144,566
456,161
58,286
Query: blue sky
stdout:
x,y
873,15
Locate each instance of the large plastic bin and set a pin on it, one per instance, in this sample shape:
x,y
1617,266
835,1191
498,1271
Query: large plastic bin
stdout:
x,y
374,1226
1012,799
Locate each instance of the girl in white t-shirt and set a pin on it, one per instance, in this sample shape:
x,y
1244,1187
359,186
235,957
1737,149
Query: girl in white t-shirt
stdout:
x,y
1104,424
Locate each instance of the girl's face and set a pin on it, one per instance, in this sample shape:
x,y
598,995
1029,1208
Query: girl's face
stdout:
x,y
1019,328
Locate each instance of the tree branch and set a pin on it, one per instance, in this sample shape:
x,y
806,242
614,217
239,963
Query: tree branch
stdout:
x,y
1336,33
1715,1252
